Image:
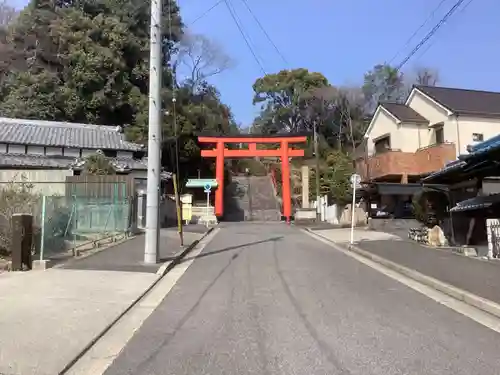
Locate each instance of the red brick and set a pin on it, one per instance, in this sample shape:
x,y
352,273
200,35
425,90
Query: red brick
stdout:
x,y
398,163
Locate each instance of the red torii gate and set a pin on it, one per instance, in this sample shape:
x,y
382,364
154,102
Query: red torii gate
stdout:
x,y
220,152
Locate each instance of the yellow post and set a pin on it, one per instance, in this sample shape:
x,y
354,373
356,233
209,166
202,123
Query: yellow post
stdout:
x,y
178,207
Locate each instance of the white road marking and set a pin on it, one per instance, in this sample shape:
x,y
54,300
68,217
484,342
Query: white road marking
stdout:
x,y
463,308
108,347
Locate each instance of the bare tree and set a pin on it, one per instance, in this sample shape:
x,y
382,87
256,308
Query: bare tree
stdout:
x,y
338,112
350,103
318,104
199,58
426,76
7,13
9,57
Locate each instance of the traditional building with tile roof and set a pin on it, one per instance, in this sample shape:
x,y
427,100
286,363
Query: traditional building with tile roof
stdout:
x,y
45,152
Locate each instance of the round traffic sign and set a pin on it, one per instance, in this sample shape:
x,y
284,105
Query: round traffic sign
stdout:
x,y
207,188
355,179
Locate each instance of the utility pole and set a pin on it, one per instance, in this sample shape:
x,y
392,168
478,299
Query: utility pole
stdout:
x,y
316,156
151,253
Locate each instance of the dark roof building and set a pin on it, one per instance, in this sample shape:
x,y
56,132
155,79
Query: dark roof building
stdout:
x,y
404,113
64,134
465,102
59,145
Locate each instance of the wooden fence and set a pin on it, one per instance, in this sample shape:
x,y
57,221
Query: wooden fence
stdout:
x,y
116,187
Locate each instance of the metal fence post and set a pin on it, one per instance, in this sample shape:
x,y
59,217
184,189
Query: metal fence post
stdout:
x,y
42,234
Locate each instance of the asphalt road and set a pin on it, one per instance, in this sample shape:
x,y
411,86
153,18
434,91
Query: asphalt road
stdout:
x,y
268,299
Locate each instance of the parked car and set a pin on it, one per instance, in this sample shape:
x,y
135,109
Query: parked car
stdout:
x,y
404,211
380,213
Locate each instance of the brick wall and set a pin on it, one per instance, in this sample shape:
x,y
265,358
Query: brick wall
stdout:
x,y
423,161
433,158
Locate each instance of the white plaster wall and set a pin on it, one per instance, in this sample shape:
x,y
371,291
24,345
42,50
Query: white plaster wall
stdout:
x,y
45,181
17,149
36,150
409,137
53,151
75,152
382,124
468,126
426,108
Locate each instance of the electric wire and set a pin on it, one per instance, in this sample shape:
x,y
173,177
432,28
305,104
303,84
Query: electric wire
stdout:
x,y
245,2
245,31
407,43
430,34
429,46
245,38
206,12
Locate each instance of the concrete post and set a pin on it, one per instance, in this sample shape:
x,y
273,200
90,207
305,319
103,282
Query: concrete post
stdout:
x,y
152,238
305,186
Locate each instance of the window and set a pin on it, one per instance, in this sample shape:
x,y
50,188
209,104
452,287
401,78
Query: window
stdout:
x,y
477,137
439,133
383,144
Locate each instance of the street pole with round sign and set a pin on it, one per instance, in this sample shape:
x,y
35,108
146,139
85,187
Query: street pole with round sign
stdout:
x,y
355,182
207,189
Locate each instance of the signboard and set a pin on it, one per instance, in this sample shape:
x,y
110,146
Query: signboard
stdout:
x,y
201,183
355,180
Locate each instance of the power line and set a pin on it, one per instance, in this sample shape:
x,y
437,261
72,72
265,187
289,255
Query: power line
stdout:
x,y
207,11
265,32
431,15
250,40
245,38
429,46
430,34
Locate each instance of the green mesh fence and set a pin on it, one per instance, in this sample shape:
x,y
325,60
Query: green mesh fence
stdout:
x,y
75,222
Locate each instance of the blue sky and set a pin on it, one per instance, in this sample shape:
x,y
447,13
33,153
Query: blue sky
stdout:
x,y
344,39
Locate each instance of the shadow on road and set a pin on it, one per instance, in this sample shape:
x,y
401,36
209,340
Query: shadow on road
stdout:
x,y
168,338
273,239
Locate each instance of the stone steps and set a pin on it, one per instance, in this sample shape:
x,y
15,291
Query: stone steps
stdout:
x,y
251,199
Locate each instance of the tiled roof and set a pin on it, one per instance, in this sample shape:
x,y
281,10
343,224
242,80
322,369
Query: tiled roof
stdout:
x,y
450,167
63,134
404,113
63,162
477,203
466,102
483,147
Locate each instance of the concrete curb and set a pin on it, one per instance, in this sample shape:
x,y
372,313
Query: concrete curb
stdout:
x,y
471,299
166,268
